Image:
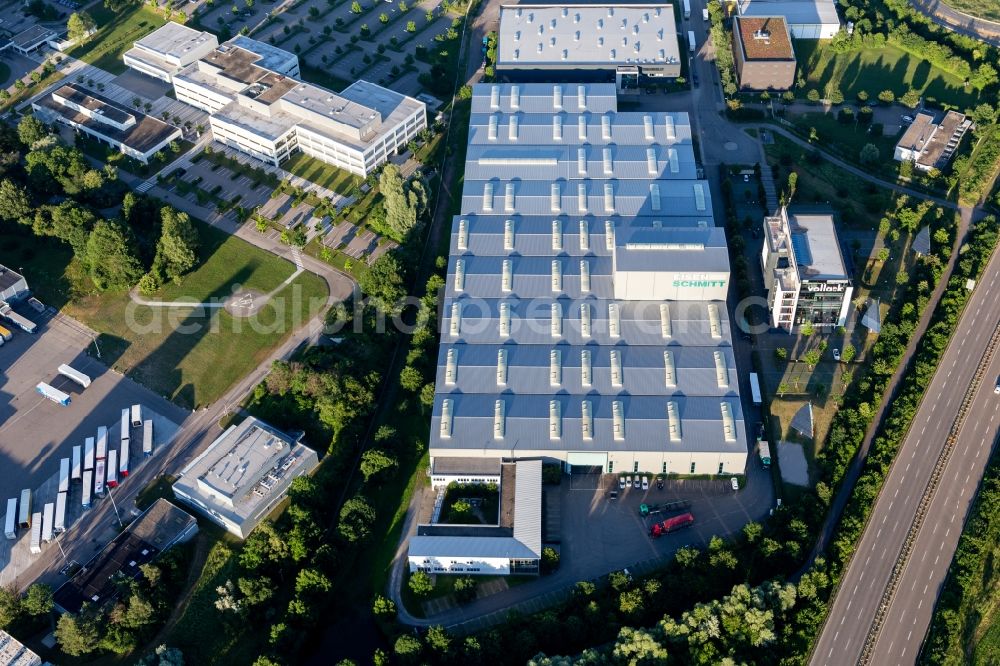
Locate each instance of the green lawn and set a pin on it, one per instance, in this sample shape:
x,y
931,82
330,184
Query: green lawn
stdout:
x,y
193,356
846,139
988,9
875,70
115,35
321,173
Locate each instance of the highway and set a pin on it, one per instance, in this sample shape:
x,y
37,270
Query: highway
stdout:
x,y
863,585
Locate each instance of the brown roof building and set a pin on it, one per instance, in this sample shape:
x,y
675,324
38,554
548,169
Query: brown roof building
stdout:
x,y
762,51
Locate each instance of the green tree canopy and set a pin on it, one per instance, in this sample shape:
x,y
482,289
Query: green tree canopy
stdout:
x,y
79,26
375,461
110,257
31,130
77,634
356,519
14,202
384,283
177,251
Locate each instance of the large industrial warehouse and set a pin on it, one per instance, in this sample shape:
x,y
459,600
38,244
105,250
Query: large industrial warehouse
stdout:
x,y
584,318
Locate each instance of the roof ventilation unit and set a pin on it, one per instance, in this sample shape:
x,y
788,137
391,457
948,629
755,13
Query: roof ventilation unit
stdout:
x,y
721,370
608,162
609,234
665,320
555,367
501,367
557,275
463,234
505,320
456,319
586,368
581,161
446,412
669,369
674,421
699,196
459,274
614,320
509,198
512,124
581,197
606,127
555,419
581,97
675,165
584,235
556,323
585,320
713,320
616,368
587,419
651,165
494,126
555,202
507,276
728,422
557,128
581,127
557,232
508,234
618,419
488,197
451,369
499,419
495,97
609,198
654,197
584,276
647,125
670,128
557,94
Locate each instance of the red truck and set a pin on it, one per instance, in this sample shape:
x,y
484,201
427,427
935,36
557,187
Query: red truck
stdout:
x,y
671,525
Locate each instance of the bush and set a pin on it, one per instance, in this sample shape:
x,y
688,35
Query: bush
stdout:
x,y
421,584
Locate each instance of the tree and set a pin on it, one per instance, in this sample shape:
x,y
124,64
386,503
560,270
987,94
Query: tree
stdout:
x,y
638,646
910,98
806,328
383,607
163,656
31,130
427,395
407,646
38,599
421,584
10,606
177,250
780,353
355,7
110,257
411,26
465,588
811,357
869,154
79,26
77,634
375,461
403,202
793,179
383,18
848,353
356,519
887,97
14,202
813,95
384,283
752,531
835,96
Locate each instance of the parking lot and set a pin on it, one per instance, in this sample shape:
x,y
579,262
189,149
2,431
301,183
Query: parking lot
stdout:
x,y
600,535
35,432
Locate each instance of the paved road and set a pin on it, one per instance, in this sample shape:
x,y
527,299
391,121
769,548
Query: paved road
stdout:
x,y
867,576
942,14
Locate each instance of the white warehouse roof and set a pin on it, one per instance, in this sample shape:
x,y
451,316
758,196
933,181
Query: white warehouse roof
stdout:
x,y
532,36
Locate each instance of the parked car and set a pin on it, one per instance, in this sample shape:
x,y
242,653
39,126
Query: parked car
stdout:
x,y
746,178
659,483
613,495
645,483
636,484
621,483
628,482
906,119
736,483
996,389
836,354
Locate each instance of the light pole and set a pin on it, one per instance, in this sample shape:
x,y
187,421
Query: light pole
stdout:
x,y
117,515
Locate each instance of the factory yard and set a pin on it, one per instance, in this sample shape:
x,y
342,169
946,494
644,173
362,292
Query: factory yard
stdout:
x,y
36,433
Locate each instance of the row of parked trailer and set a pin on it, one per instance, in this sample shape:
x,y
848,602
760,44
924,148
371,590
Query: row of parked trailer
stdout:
x,y
96,465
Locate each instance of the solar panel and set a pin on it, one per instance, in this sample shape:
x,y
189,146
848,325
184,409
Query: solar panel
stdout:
x,y
802,422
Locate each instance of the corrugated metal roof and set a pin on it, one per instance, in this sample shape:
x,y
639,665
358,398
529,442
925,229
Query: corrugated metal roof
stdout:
x,y
539,97
535,129
528,505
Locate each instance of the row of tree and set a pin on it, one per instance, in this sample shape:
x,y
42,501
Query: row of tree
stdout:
x,y
56,193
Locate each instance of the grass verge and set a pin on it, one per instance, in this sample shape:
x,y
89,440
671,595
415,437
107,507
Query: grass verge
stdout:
x,y
116,33
321,173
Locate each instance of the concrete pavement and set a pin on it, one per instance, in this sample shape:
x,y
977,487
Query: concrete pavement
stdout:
x,y
861,589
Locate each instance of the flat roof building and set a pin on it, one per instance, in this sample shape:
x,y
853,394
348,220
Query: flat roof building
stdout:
x,y
584,315
930,143
762,52
511,547
159,527
166,51
243,475
133,133
806,19
804,270
14,653
607,42
30,40
258,106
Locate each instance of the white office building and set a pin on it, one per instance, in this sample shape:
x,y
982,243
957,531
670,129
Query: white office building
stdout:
x,y
243,475
512,546
133,133
609,42
166,51
584,317
258,106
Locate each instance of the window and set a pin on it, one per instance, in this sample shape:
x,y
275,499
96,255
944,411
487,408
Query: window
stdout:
x,y
635,466
611,467
664,471
720,468
692,468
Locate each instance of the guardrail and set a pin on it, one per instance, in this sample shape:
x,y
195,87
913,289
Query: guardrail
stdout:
x,y
926,498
